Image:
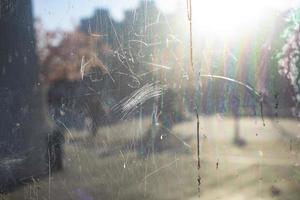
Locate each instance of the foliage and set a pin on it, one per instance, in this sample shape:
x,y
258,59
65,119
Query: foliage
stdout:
x,y
69,56
289,62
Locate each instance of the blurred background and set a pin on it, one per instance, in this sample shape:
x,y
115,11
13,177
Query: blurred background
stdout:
x,y
101,99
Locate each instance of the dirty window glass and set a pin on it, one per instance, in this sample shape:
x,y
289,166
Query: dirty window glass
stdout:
x,y
149,99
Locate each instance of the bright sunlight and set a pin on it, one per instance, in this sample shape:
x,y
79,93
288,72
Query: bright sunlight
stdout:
x,y
229,17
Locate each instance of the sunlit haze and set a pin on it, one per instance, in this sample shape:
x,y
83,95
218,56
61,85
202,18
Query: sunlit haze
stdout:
x,y
227,18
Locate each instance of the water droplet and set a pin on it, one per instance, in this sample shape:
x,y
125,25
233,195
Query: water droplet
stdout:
x,y
25,59
9,59
61,112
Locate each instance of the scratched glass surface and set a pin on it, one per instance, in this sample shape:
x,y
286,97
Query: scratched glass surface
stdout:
x,y
141,99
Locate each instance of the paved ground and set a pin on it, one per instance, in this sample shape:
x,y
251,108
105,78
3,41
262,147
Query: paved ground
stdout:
x,y
265,164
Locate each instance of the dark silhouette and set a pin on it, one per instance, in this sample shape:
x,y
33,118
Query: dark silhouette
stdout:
x,y
54,154
24,125
235,104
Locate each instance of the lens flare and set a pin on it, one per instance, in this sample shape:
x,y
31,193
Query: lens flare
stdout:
x,y
227,18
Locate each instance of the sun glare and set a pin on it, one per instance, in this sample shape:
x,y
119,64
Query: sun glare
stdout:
x,y
230,17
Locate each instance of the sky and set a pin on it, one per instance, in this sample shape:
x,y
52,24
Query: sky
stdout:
x,y
65,14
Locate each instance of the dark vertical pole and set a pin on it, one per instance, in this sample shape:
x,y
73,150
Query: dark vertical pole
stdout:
x,y
23,122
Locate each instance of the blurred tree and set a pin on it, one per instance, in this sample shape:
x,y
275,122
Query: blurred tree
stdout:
x,y
70,56
288,58
74,71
